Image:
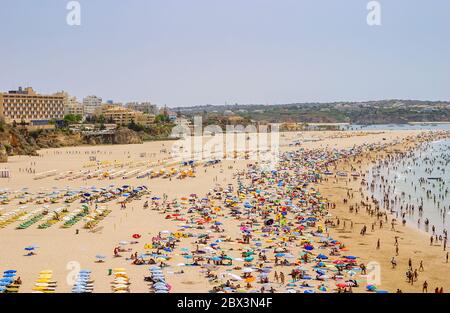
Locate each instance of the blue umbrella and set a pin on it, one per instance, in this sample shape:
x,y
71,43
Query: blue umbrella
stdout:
x,y
29,248
322,256
10,271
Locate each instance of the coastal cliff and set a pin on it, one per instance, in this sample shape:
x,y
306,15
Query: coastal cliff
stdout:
x,y
20,141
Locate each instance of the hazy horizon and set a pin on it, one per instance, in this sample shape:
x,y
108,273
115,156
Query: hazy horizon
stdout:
x,y
200,52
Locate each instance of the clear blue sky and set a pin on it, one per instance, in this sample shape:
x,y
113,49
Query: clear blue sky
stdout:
x,y
193,52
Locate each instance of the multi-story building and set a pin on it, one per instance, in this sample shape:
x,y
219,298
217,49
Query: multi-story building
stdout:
x,y
123,116
74,109
91,103
25,105
144,107
73,106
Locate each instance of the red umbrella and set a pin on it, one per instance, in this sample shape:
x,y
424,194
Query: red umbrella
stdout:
x,y
136,236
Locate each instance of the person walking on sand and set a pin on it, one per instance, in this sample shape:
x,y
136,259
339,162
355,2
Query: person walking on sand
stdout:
x,y
421,266
282,278
425,287
394,263
378,244
276,277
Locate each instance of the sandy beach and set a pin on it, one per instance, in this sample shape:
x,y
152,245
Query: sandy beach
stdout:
x,y
67,250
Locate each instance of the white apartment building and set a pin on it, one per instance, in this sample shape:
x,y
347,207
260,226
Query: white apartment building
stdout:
x,y
91,103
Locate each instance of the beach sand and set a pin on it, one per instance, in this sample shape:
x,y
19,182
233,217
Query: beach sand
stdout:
x,y
61,250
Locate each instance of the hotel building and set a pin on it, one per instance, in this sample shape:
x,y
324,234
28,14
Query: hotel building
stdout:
x,y
25,105
123,116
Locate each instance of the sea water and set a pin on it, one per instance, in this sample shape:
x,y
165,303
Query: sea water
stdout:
x,y
421,179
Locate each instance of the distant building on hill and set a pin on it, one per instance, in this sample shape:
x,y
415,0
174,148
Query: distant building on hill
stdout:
x,y
144,107
124,116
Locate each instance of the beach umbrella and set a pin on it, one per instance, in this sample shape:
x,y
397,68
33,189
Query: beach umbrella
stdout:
x,y
247,270
10,272
371,288
99,256
322,256
30,248
234,276
136,236
289,256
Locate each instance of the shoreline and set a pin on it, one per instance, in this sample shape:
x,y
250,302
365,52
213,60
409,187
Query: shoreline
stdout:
x,y
414,242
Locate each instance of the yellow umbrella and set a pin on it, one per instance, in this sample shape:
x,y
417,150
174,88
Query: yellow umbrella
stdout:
x,y
119,269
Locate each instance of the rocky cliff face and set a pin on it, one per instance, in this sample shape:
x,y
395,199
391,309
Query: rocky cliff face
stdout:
x,y
58,139
126,136
3,154
18,141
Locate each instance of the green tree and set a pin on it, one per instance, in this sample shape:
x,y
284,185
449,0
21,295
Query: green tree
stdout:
x,y
72,118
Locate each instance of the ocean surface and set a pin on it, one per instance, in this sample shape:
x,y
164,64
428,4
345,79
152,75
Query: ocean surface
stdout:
x,y
417,186
422,126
